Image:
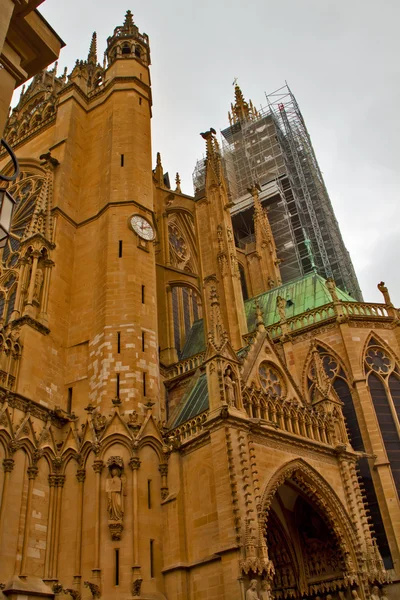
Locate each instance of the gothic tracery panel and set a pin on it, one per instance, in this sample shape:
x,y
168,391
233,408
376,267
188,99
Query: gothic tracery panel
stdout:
x,y
26,191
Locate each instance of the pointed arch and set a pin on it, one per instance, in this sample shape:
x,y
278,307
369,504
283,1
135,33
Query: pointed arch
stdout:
x,y
329,350
374,339
321,494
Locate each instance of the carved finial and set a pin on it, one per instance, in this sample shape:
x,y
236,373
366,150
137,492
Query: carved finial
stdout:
x,y
92,56
178,183
128,23
90,408
23,90
159,163
383,289
213,157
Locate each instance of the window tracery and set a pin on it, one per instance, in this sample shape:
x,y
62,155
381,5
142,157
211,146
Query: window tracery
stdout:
x,y
338,380
26,191
383,376
271,380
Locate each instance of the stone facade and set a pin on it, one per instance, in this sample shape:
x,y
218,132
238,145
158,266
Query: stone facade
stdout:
x,y
159,438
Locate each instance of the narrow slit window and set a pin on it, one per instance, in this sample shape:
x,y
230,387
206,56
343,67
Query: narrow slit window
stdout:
x,y
120,249
143,339
151,558
117,385
144,384
116,566
69,401
142,294
122,160
119,342
149,493
140,101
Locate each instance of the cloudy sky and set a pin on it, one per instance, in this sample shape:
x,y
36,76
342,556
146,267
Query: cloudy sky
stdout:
x,y
341,60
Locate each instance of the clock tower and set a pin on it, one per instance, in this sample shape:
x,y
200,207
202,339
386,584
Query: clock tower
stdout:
x,y
97,299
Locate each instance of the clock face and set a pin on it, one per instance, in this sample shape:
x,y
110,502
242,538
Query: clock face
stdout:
x,y
142,227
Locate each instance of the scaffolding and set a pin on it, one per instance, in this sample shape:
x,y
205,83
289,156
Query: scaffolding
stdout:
x,y
273,148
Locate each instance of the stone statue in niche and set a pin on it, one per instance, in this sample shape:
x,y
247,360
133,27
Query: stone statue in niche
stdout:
x,y
37,288
281,306
252,593
331,285
375,593
230,388
116,490
354,594
265,592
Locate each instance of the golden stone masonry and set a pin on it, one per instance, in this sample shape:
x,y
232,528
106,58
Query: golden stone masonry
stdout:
x,y
195,401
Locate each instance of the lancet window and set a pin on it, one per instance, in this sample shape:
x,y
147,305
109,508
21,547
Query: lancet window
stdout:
x,y
383,376
337,377
186,306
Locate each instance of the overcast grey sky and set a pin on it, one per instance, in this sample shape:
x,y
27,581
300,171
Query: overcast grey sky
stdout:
x,y
341,60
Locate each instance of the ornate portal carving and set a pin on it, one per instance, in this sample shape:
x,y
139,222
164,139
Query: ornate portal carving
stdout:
x,y
116,490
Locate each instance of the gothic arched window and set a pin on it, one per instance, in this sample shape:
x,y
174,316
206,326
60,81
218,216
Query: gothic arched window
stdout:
x,y
25,191
383,376
338,378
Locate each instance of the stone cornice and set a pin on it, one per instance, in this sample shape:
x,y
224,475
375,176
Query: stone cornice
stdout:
x,y
26,320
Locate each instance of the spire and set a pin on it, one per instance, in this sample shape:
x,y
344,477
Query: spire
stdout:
x,y
241,110
92,56
128,23
213,156
178,183
269,275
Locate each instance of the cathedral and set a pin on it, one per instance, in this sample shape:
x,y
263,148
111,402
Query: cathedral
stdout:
x,y
194,404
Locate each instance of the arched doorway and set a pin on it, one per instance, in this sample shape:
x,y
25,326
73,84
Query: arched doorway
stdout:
x,y
310,551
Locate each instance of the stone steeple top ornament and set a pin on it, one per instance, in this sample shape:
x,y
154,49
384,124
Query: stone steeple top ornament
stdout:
x,y
241,110
92,56
213,155
128,22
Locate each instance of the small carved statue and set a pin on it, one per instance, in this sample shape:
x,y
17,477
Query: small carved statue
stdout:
x,y
38,285
99,422
383,289
375,593
271,283
251,593
354,594
73,593
115,488
265,592
331,285
281,306
137,584
133,419
230,388
94,589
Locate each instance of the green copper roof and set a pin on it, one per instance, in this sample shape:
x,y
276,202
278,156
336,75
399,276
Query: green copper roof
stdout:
x,y
302,294
195,403
195,340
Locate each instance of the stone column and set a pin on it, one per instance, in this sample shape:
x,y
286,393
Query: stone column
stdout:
x,y
98,466
32,472
81,476
164,484
20,287
8,465
57,521
134,463
48,264
31,289
49,542
166,240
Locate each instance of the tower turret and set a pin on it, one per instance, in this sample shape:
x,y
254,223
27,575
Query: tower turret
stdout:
x,y
127,42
